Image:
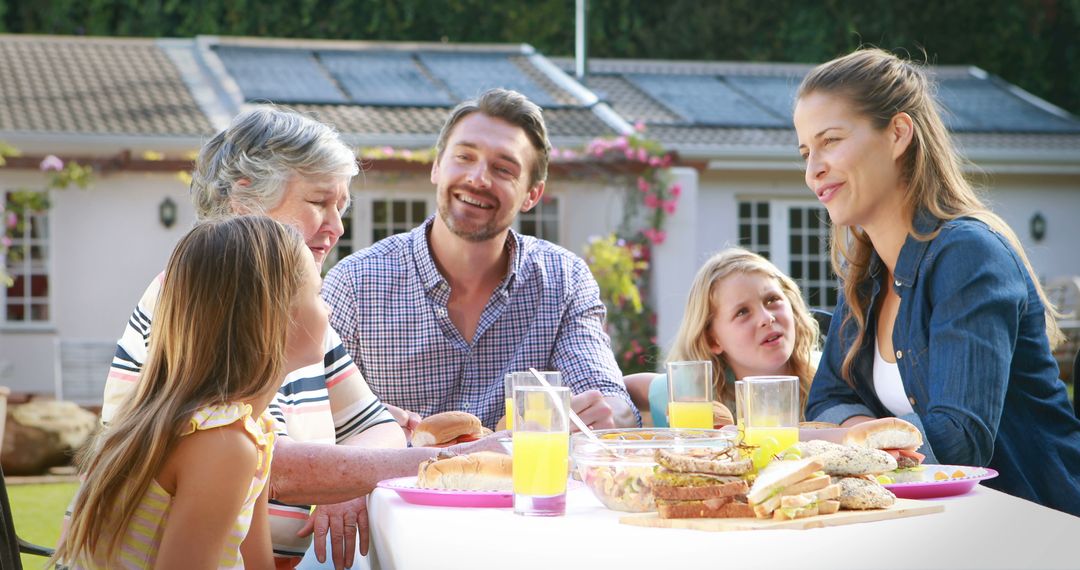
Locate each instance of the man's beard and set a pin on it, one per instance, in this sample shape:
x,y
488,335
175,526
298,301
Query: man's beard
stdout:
x,y
484,233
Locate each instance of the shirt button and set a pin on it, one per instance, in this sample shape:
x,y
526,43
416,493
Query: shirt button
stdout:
x,y
899,354
911,400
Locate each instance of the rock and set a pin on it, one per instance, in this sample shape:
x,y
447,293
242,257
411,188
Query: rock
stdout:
x,y
42,434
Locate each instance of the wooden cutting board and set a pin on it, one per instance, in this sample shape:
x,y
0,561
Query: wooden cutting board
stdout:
x,y
901,509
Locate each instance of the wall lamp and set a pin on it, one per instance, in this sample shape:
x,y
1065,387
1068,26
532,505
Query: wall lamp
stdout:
x,y
167,212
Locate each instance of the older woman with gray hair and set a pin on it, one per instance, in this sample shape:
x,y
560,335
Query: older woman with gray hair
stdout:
x,y
297,171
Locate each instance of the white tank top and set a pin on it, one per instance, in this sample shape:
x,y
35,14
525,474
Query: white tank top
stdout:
x,y
889,386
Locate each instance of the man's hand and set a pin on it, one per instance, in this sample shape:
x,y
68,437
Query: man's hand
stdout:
x,y
344,521
406,419
593,409
487,443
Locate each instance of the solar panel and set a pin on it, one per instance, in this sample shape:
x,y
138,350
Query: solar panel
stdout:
x,y
468,75
279,75
383,78
981,105
706,100
777,94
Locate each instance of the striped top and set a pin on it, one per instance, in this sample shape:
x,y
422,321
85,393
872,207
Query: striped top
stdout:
x,y
327,403
140,544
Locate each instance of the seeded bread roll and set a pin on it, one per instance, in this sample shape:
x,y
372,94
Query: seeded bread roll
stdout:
x,y
857,493
844,460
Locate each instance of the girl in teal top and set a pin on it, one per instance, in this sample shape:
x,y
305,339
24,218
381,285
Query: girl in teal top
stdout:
x,y
749,319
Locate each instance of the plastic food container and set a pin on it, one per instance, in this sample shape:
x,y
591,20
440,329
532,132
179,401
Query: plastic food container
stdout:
x,y
622,477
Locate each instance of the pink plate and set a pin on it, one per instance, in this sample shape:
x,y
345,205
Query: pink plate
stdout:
x,y
407,489
931,489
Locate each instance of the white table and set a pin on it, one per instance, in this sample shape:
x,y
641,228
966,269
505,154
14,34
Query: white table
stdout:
x,y
983,529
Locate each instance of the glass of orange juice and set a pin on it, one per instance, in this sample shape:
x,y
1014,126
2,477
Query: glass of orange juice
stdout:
x,y
512,379
541,449
767,410
690,394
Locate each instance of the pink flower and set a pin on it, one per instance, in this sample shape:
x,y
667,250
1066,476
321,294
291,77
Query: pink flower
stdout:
x,y
653,201
621,143
388,150
629,154
51,162
642,155
655,236
666,161
12,220
669,206
5,241
676,190
642,184
654,161
406,154
569,153
639,126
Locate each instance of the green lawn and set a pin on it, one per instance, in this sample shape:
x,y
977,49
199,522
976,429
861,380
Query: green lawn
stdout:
x,y
38,511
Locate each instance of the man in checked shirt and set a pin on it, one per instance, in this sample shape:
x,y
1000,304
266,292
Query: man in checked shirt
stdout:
x,y
437,316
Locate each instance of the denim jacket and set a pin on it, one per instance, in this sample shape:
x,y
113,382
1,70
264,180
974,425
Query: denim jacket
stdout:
x,y
971,345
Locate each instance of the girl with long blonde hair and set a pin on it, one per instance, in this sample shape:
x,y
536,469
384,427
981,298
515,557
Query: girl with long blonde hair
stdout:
x,y
749,319
179,478
942,321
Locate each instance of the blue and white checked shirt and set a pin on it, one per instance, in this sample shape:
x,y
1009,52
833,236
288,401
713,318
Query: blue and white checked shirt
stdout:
x,y
389,306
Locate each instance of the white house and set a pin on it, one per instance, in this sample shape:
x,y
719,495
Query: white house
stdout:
x,y
109,102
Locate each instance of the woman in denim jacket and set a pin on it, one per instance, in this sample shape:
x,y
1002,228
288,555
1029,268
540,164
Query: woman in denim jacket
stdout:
x,y
940,321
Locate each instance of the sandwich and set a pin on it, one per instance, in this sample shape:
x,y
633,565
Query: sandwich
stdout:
x,y
448,428
701,484
860,493
482,471
846,460
724,462
896,437
782,479
802,505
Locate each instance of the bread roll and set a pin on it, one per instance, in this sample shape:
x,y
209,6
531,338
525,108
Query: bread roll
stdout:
x,y
886,433
444,428
483,471
721,415
847,459
857,493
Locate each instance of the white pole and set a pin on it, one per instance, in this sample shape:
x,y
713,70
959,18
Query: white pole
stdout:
x,y
580,68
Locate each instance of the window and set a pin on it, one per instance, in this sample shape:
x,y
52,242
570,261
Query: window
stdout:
x,y
542,221
374,217
26,301
795,236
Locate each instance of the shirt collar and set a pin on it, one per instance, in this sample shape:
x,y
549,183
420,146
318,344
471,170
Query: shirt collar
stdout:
x,y
915,246
430,276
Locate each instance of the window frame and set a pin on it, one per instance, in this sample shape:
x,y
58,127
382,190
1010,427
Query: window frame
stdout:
x,y
47,269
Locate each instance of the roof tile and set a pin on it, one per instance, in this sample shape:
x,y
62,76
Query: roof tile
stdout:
x,y
94,86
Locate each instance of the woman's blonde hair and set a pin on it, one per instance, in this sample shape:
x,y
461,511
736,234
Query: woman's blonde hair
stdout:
x,y
218,336
693,340
880,85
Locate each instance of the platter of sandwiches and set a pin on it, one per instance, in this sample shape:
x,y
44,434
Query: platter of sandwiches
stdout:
x,y
813,484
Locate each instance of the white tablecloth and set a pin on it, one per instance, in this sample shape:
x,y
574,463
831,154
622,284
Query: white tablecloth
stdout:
x,y
983,529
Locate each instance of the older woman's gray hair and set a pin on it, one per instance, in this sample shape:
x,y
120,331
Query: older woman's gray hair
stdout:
x,y
264,147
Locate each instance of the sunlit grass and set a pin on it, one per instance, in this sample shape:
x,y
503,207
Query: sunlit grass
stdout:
x,y
38,511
